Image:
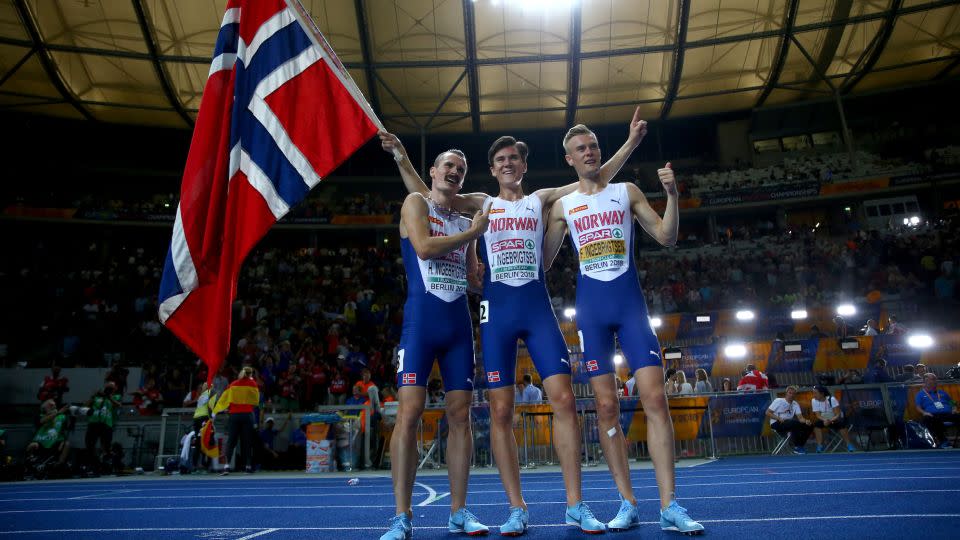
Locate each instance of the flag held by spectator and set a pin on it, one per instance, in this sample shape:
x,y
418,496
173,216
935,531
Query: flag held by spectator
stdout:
x,y
208,444
279,113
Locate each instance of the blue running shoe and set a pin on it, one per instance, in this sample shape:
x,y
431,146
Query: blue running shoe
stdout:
x,y
799,450
465,522
820,449
851,448
628,517
581,516
675,518
517,522
401,528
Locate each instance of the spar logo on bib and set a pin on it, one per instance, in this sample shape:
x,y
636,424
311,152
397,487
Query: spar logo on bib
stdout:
x,y
529,244
509,243
602,234
617,233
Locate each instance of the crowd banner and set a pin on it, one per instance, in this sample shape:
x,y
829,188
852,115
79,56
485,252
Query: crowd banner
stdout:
x,y
854,400
782,360
895,350
855,186
736,415
687,414
778,192
772,321
690,328
831,355
694,358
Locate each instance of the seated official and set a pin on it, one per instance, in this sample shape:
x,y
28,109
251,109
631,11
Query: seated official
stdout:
x,y
937,408
786,417
827,415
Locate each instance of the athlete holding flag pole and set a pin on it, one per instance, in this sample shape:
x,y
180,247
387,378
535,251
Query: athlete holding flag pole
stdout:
x,y
516,306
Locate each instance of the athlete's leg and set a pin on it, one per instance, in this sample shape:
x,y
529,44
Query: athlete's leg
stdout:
x,y
403,445
503,443
659,429
459,445
566,433
612,440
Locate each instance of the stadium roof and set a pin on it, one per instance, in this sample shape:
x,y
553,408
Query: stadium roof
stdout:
x,y
486,65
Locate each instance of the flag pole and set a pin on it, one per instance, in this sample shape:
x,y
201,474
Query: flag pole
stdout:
x,y
310,27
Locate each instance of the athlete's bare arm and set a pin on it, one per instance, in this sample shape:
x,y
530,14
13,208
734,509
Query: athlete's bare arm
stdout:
x,y
414,225
474,269
553,239
467,202
663,230
638,130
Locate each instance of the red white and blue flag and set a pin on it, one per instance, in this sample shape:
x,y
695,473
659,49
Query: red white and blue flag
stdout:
x,y
279,113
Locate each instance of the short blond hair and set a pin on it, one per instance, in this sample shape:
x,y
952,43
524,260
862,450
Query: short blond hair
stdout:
x,y
578,129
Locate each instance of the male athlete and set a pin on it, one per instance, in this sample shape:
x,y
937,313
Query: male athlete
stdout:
x,y
439,254
516,306
599,216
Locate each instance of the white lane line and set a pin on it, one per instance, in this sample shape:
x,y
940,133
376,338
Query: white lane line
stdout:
x,y
439,497
113,492
431,495
544,526
256,534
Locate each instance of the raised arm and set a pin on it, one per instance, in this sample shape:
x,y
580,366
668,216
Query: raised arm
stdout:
x,y
413,223
663,230
553,239
467,202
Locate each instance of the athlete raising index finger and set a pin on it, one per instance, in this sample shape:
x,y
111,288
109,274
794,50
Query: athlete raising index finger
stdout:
x,y
599,216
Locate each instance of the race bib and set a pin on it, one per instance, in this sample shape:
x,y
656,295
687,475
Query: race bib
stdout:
x,y
602,250
513,258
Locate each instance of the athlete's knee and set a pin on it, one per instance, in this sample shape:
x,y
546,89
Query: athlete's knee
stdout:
x,y
409,415
563,402
655,403
501,414
608,409
458,416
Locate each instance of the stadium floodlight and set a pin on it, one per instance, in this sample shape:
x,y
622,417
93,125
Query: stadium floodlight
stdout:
x,y
703,318
906,221
846,310
618,359
798,314
570,313
920,341
745,315
735,350
915,220
846,208
656,322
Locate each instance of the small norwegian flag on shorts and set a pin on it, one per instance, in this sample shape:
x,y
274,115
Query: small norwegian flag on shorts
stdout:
x,y
493,376
409,378
592,365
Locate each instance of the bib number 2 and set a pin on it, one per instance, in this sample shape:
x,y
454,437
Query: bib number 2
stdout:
x,y
484,311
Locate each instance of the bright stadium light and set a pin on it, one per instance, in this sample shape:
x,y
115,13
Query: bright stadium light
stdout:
x,y
656,322
915,220
618,359
745,315
736,350
798,314
920,341
846,310
906,221
569,313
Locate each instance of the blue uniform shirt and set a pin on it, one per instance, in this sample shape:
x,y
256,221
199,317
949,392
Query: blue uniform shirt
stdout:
x,y
937,402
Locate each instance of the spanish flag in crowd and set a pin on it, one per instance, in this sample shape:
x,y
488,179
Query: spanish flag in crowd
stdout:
x,y
208,445
241,396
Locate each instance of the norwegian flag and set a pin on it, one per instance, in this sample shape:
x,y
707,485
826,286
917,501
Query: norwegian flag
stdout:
x,y
592,365
409,378
279,113
493,376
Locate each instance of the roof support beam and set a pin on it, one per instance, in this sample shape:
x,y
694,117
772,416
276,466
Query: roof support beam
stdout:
x,y
879,44
470,39
390,91
365,54
151,43
783,49
683,17
43,53
573,82
18,65
445,98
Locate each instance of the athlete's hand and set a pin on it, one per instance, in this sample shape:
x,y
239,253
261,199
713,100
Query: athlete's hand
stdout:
x,y
475,278
638,128
391,144
667,179
481,220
